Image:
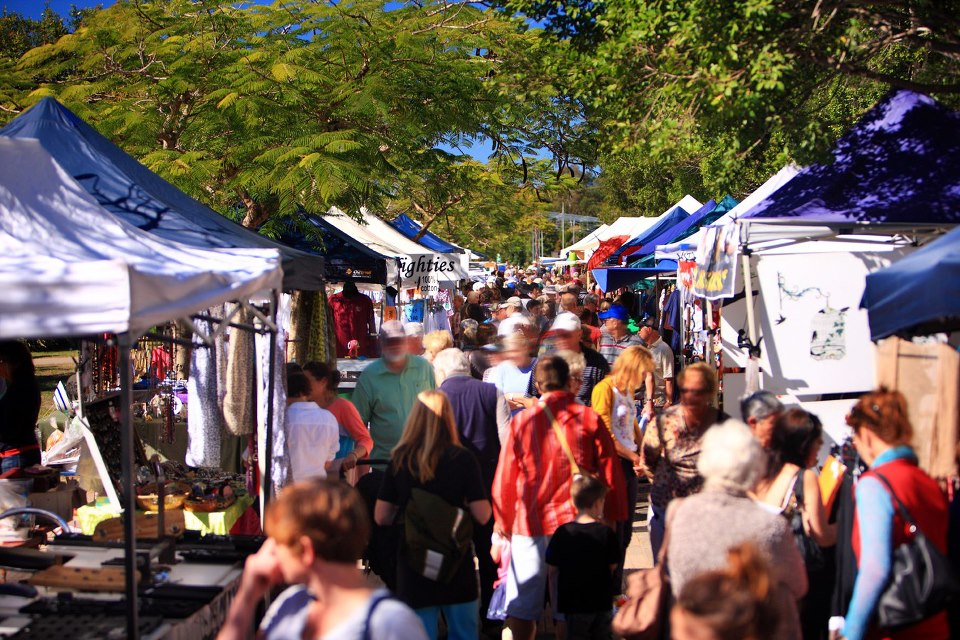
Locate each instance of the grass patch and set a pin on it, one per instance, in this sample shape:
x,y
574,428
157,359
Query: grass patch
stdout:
x,y
52,367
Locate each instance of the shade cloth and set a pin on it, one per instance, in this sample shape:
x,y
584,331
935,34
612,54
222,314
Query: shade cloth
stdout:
x,y
410,228
664,221
612,278
345,256
138,196
686,247
918,294
897,165
68,267
417,262
707,214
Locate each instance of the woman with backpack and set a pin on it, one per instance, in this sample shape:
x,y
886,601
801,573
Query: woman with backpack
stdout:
x,y
791,489
435,485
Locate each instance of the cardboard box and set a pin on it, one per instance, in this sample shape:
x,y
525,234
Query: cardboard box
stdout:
x,y
62,500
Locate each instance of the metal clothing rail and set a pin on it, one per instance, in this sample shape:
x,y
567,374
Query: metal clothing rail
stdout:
x,y
125,343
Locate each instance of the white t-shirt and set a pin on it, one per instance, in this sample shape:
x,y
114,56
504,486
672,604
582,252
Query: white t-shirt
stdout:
x,y
624,419
390,620
662,368
314,439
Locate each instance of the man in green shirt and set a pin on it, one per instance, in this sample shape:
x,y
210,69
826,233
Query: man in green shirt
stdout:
x,y
387,389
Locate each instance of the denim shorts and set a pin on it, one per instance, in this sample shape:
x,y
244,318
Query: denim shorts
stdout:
x,y
527,577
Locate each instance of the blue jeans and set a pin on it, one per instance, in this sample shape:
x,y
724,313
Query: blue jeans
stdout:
x,y
655,522
463,620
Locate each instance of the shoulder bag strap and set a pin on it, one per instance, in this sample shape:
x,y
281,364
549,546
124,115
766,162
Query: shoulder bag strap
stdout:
x,y
376,600
902,509
795,490
574,467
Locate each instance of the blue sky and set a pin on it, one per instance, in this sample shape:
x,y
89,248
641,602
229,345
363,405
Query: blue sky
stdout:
x,y
33,8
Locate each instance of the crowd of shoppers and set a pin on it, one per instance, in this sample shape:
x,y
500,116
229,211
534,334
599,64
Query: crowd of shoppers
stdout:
x,y
548,416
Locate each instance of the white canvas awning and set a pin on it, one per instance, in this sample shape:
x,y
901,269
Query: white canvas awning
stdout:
x,y
417,262
69,267
589,241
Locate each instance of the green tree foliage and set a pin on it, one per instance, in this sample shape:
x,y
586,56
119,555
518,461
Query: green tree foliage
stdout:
x,y
264,111
724,92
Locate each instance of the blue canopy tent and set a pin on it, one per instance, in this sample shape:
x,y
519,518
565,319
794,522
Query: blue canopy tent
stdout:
x,y
345,257
140,197
673,217
896,167
410,228
612,278
707,214
919,294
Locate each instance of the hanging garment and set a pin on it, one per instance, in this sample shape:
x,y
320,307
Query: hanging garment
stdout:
x,y
353,319
413,311
280,461
239,402
204,417
319,347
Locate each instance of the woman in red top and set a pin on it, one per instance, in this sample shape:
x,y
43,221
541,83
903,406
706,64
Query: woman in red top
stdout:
x,y
882,436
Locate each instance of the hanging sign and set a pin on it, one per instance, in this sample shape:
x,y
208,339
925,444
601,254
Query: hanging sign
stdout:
x,y
417,270
716,270
431,287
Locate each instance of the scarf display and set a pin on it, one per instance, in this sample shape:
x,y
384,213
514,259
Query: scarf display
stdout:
x,y
280,462
239,402
322,345
205,421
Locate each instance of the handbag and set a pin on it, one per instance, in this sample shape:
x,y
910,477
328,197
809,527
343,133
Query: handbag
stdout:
x,y
922,582
812,553
644,616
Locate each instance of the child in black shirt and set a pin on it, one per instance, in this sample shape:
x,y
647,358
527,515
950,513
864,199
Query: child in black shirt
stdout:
x,y
583,554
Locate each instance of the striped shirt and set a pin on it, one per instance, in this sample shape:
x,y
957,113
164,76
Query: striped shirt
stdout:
x,y
611,348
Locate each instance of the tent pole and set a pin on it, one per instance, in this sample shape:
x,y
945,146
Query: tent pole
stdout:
x,y
129,495
267,477
748,290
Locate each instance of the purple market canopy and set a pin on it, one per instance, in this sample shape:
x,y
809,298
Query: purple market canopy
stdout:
x,y
899,165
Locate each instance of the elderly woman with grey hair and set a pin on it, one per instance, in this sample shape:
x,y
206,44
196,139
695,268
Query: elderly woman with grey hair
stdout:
x,y
702,528
760,411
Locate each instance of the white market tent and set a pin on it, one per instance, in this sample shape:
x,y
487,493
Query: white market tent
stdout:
x,y
69,267
384,239
589,241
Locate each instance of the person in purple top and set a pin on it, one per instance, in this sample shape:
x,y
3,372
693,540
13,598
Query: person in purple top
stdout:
x,y
482,418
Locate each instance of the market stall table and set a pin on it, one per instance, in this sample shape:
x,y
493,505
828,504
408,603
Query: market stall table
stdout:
x,y
205,622
215,522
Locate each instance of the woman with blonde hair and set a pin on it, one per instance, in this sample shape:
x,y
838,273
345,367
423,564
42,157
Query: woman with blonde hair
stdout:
x,y
435,342
430,459
613,400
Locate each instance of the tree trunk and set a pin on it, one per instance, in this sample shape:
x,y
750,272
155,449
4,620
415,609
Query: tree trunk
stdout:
x,y
257,212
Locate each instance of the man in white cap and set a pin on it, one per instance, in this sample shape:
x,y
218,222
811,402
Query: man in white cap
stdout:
x,y
566,332
388,387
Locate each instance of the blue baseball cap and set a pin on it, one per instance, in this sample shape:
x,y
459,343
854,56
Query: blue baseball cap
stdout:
x,y
617,311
